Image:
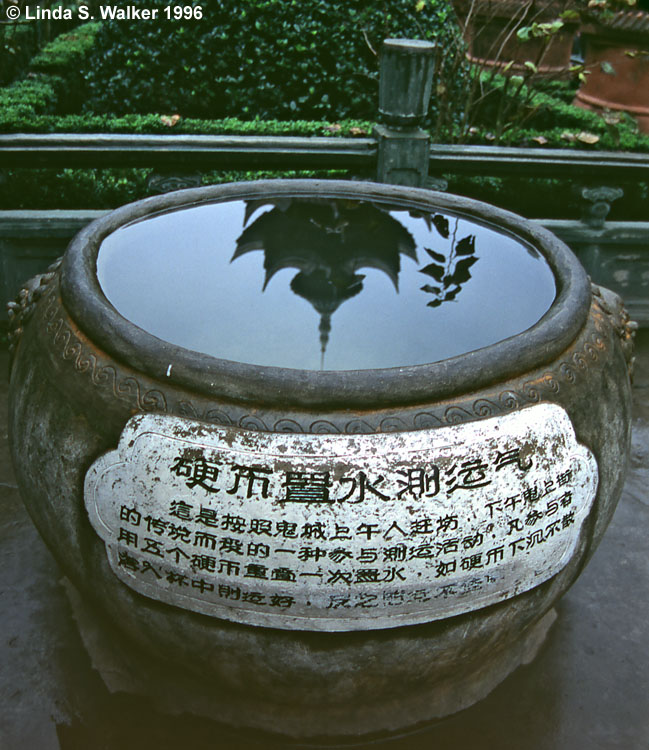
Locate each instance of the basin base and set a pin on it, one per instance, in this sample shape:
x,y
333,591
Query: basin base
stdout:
x,y
123,670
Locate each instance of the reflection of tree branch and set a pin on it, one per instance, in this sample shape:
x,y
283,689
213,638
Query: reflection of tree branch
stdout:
x,y
449,271
454,240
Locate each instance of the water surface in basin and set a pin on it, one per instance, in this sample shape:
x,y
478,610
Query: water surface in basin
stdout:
x,y
323,283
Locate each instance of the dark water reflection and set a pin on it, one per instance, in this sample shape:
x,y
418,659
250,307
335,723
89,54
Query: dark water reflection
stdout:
x,y
323,283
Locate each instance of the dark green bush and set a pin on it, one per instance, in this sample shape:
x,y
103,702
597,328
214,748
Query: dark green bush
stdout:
x,y
20,41
64,57
67,52
35,103
509,112
17,45
19,115
43,189
27,98
51,82
543,198
273,59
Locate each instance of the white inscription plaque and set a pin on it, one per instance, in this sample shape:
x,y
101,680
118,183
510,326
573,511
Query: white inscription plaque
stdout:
x,y
341,532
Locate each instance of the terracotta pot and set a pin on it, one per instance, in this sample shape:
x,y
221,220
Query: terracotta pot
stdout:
x,y
313,551
490,28
618,81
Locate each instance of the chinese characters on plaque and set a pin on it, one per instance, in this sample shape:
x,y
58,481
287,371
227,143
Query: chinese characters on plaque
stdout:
x,y
341,532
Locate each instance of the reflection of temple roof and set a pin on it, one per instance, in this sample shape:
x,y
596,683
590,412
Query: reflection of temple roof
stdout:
x,y
326,233
328,241
326,294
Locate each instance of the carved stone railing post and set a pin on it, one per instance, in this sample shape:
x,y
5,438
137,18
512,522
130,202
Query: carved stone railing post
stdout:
x,y
166,181
406,78
596,204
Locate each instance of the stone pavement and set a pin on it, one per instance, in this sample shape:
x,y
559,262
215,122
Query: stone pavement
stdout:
x,y
588,687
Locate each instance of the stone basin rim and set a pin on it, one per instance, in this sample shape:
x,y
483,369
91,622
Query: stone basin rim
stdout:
x,y
240,382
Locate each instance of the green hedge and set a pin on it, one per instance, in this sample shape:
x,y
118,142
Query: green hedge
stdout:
x,y
30,106
67,52
17,45
543,198
23,119
34,104
43,189
272,59
20,41
51,83
529,117
27,98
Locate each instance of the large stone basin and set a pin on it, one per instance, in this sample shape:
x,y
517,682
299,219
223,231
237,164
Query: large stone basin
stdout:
x,y
323,454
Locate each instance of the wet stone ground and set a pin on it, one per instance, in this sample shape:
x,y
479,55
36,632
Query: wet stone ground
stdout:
x,y
588,687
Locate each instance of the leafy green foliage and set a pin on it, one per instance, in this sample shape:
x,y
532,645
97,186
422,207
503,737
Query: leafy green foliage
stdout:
x,y
539,30
20,41
528,117
71,188
67,51
17,45
35,103
42,189
543,198
25,99
51,83
15,119
273,59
